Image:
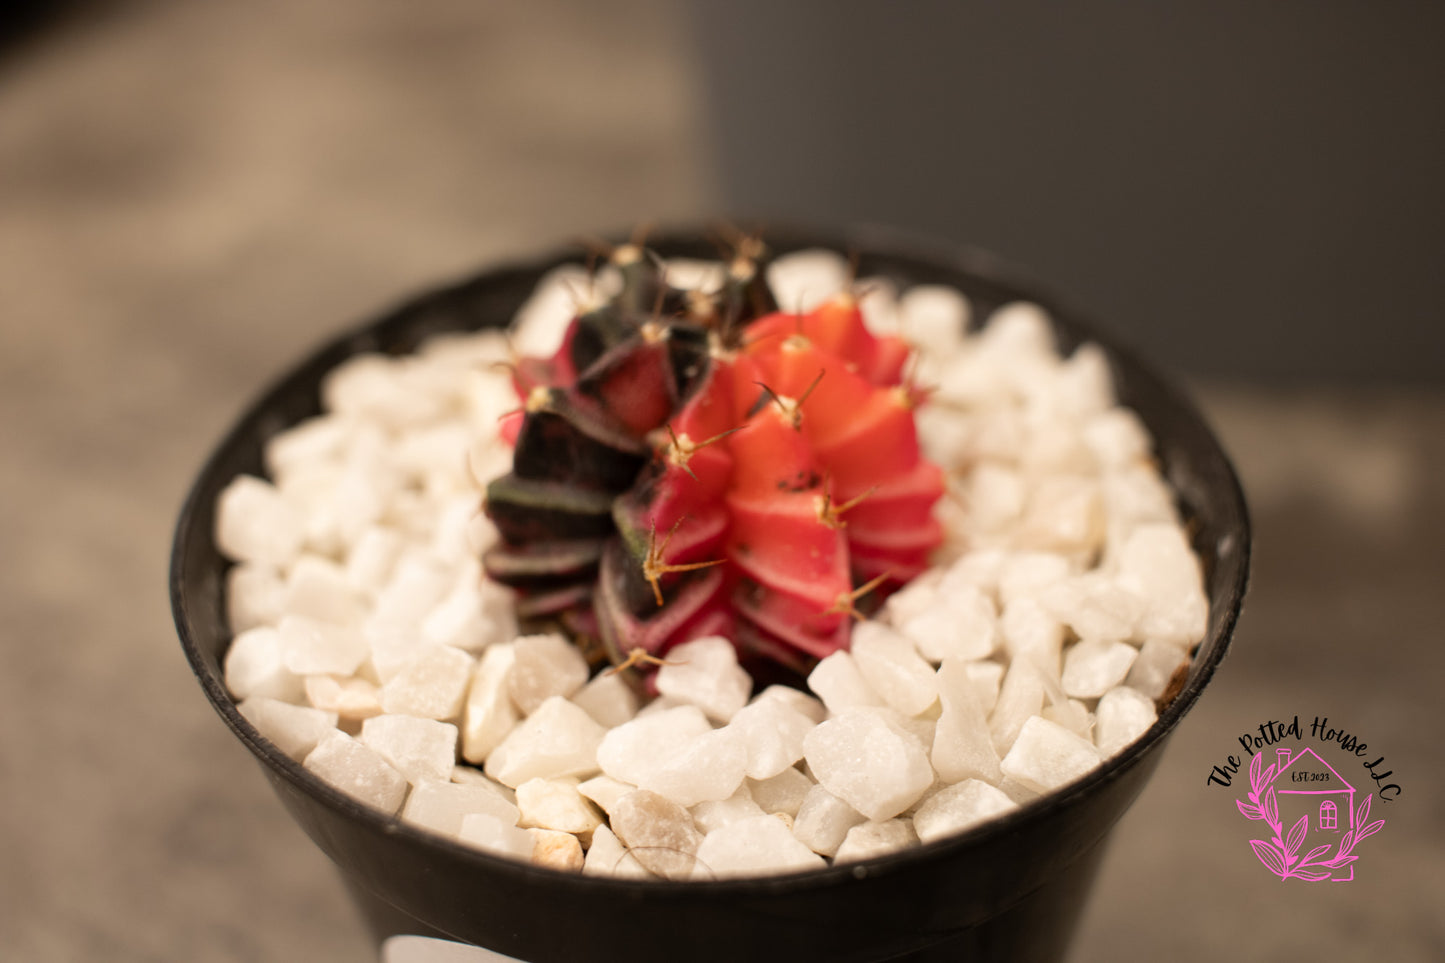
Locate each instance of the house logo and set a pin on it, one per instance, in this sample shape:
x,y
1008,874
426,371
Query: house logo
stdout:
x,y
1326,821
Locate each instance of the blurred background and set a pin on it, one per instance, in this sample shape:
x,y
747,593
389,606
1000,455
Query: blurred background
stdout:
x,y
192,195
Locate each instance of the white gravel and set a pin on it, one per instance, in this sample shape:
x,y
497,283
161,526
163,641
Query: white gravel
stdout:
x,y
1064,600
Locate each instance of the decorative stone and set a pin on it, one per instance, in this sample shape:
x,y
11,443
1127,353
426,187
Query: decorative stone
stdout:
x,y
488,715
962,745
956,808
358,771
256,666
872,839
608,699
545,666
837,681
418,748
893,668
556,850
756,846
494,835
824,820
1093,668
1046,756
556,804
558,739
876,767
441,806
1122,716
658,832
255,523
782,793
773,731
433,684
294,729
705,673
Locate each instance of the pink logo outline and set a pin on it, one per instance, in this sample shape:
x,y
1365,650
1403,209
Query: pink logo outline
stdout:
x,y
1280,854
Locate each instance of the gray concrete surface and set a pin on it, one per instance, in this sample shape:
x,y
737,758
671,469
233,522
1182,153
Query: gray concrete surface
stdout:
x,y
192,194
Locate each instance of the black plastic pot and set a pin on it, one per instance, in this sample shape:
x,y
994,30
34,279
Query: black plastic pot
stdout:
x,y
1009,890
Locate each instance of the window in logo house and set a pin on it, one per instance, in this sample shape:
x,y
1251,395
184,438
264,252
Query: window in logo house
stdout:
x,y
1327,815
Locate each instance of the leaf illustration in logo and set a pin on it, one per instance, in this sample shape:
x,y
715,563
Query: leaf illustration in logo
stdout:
x,y
1271,807
1267,854
1296,836
1256,771
1250,812
1315,853
1313,875
1370,830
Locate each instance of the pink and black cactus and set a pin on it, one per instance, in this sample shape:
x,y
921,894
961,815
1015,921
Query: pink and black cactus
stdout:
x,y
693,464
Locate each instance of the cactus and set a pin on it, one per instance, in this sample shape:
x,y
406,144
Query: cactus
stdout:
x,y
693,464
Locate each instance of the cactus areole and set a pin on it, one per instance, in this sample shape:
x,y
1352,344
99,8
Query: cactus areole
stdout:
x,y
694,463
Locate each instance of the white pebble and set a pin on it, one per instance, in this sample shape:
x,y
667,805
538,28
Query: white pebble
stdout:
x,y
631,751
544,666
256,666
893,668
659,832
1122,716
372,557
1094,605
313,647
962,744
605,791
255,523
556,804
558,739
1020,697
794,699
782,793
556,850
254,594
1155,667
824,820
358,771
352,699
933,318
294,729
494,835
418,748
318,588
861,757
440,806
872,839
608,857
433,684
1026,574
1117,438
953,809
986,677
773,731
1030,632
801,280
705,673
1073,715
962,625
837,681
489,714
1157,563
1046,756
758,846
716,813
1093,668
608,699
